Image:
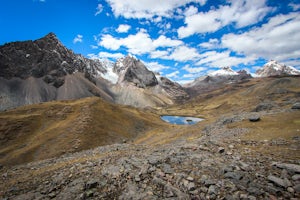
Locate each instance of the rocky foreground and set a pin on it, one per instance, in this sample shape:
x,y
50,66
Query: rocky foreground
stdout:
x,y
216,165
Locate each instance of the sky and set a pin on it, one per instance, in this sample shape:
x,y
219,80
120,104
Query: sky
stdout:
x,y
180,39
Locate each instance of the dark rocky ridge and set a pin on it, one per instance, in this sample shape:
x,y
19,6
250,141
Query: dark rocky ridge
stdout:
x,y
46,57
134,71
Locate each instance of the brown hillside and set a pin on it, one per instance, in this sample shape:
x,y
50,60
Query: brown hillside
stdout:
x,y
46,130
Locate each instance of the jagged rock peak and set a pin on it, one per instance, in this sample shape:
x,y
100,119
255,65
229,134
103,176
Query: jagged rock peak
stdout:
x,y
51,35
273,68
132,70
46,57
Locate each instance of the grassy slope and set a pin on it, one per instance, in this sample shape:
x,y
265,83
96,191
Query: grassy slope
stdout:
x,y
50,129
244,97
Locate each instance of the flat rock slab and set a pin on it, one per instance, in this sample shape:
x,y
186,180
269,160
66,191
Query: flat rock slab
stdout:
x,y
254,118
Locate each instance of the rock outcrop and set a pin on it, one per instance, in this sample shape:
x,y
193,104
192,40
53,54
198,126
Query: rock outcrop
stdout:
x,y
132,70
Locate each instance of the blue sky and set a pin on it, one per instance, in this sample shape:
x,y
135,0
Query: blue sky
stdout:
x,y
181,39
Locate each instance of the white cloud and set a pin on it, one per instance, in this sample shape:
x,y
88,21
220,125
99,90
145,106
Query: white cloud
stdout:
x,y
102,55
147,8
78,38
192,10
99,9
278,39
184,53
193,70
173,74
94,46
222,59
294,6
155,66
137,44
109,42
163,41
159,54
110,55
211,44
240,12
123,28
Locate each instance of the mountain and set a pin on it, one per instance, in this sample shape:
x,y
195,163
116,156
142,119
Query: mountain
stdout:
x,y
45,70
135,80
224,71
273,68
215,80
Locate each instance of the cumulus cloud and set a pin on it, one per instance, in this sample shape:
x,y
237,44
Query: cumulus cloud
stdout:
x,y
78,38
147,8
99,9
240,12
173,74
159,54
123,28
211,44
110,55
294,6
222,59
184,53
139,43
102,55
193,70
278,39
156,67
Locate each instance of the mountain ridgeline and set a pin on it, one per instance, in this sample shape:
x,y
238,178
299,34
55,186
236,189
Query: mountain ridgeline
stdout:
x,y
45,70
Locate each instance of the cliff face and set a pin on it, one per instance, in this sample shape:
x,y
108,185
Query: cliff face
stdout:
x,y
44,58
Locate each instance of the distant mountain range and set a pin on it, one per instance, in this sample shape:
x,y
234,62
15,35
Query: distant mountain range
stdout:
x,y
273,68
45,70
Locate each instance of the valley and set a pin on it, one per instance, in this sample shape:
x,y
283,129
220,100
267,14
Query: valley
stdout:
x,y
223,156
78,128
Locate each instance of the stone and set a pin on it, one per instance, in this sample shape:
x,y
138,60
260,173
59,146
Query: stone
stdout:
x,y
254,118
293,168
52,195
297,188
233,175
255,191
91,184
212,190
279,182
190,186
137,178
263,106
290,190
89,193
250,197
167,169
296,177
221,149
296,106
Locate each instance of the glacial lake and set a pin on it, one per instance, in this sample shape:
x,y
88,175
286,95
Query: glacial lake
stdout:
x,y
180,120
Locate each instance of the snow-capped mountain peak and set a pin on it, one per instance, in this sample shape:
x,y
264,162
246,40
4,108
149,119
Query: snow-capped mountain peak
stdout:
x,y
273,68
224,71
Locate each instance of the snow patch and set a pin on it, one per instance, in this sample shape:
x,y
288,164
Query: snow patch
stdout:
x,y
110,75
225,71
